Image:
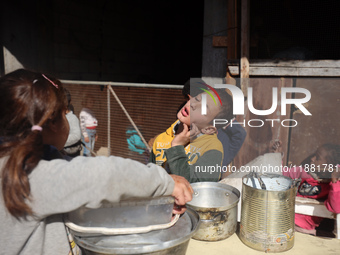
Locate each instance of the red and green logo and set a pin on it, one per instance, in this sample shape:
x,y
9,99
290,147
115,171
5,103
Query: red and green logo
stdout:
x,y
209,93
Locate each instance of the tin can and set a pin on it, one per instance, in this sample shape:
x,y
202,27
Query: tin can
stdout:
x,y
267,212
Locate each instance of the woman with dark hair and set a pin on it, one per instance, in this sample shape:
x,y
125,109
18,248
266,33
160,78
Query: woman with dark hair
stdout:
x,y
38,186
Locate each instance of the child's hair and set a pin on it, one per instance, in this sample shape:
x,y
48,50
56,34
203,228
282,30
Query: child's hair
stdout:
x,y
26,99
68,99
226,111
332,153
193,87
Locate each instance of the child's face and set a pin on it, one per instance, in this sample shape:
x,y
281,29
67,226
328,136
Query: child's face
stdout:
x,y
320,157
191,112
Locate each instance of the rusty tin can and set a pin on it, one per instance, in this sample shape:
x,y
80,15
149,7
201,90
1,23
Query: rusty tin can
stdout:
x,y
267,214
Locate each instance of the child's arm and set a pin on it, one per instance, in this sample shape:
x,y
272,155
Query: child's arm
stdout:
x,y
333,200
177,159
205,168
152,158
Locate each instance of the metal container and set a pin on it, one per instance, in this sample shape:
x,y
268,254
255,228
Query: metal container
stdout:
x,y
126,214
173,240
216,204
267,214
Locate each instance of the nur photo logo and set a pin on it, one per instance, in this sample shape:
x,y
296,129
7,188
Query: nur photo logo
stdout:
x,y
239,105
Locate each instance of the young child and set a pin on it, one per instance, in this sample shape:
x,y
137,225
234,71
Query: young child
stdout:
x,y
35,193
231,136
88,125
190,147
319,175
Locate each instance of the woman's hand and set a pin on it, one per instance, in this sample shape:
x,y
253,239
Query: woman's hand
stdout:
x,y
182,193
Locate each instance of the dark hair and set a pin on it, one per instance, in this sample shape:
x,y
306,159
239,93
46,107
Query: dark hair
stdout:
x,y
26,98
68,99
332,153
227,105
193,87
68,96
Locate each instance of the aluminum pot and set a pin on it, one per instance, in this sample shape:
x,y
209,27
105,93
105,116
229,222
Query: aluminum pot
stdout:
x,y
216,204
173,240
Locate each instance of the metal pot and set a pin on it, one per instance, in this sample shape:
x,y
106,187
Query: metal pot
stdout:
x,y
216,204
173,240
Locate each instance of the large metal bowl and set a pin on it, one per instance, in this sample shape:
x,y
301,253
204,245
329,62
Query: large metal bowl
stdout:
x,y
173,240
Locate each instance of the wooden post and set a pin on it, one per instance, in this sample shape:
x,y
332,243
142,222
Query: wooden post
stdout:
x,y
232,29
244,64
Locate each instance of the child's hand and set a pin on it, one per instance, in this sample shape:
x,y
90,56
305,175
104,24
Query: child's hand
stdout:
x,y
86,139
183,138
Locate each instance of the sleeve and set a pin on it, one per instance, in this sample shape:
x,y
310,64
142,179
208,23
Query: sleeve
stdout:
x,y
205,168
82,117
152,158
332,202
75,133
58,186
232,138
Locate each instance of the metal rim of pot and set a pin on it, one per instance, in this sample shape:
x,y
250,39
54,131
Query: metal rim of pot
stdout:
x,y
228,188
195,220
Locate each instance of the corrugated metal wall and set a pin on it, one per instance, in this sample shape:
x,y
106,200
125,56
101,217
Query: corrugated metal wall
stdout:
x,y
152,109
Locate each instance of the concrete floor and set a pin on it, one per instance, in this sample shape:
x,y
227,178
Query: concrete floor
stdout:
x,y
303,245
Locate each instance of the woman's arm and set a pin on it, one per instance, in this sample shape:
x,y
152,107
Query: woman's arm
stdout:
x,y
58,186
